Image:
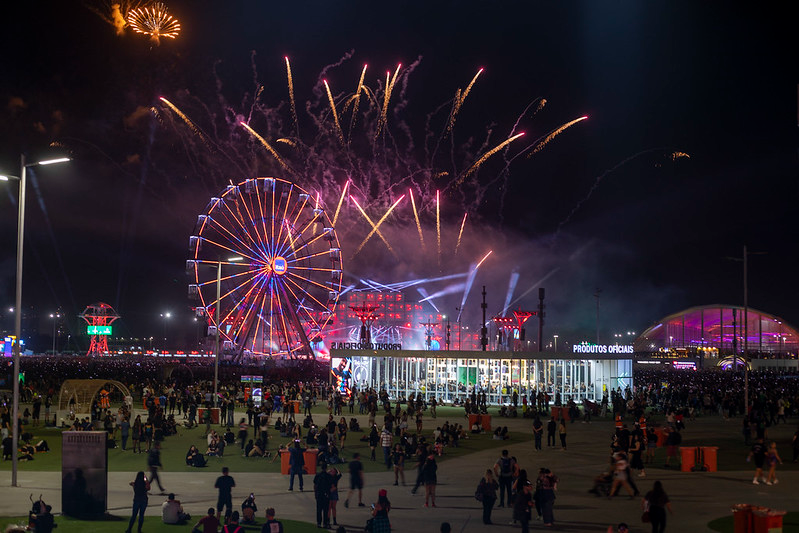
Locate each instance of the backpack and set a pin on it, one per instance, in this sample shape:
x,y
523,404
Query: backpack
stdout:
x,y
505,466
478,494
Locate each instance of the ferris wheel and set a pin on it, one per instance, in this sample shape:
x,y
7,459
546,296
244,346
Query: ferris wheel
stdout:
x,y
267,248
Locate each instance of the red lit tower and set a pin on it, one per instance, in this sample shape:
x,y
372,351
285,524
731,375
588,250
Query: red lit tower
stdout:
x,y
99,317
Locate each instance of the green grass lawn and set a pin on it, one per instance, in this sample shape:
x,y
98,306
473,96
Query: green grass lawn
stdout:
x,y
790,524
174,448
152,524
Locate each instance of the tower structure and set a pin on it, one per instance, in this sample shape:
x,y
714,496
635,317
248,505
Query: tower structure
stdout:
x,y
99,317
506,325
367,314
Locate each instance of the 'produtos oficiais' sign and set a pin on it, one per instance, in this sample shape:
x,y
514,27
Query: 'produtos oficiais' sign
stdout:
x,y
602,348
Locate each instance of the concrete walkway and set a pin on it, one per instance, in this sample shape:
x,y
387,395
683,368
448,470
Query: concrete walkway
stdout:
x,y
696,497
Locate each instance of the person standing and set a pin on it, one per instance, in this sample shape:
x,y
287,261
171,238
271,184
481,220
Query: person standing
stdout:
x,y
562,433
386,441
773,458
538,432
487,491
380,522
398,460
137,431
758,456
140,487
356,480
429,473
335,476
549,483
124,432
503,469
322,483
521,507
296,464
551,427
154,463
225,484
656,502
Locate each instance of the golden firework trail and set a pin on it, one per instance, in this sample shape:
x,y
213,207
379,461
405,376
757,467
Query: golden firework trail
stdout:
x,y
485,157
678,155
291,98
357,100
369,220
284,140
192,126
460,97
377,225
483,259
554,133
460,233
266,145
340,201
416,217
155,21
339,133
382,121
438,224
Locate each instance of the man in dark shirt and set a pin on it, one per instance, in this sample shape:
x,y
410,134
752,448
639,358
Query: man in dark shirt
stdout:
x,y
356,479
225,484
322,482
758,456
551,427
296,464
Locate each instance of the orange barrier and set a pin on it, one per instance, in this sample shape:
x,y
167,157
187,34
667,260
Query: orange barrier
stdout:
x,y
483,420
711,458
561,412
688,457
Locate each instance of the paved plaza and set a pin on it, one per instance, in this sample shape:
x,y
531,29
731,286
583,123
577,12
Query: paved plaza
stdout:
x,y
696,497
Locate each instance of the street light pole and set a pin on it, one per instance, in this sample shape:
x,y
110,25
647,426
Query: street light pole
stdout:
x,y
23,166
55,317
556,343
218,325
18,320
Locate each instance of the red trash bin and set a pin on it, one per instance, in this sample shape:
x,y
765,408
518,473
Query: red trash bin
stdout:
x,y
284,462
711,458
309,456
688,458
742,518
767,520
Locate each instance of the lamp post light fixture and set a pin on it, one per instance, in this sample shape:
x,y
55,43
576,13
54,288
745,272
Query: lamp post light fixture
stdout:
x,y
556,343
23,167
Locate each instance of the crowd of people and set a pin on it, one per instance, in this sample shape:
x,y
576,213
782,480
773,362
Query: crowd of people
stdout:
x,y
401,429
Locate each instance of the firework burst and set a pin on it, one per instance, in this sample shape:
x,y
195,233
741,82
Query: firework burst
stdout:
x,y
154,20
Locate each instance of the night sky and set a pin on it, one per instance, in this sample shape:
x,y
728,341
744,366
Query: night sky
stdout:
x,y
655,78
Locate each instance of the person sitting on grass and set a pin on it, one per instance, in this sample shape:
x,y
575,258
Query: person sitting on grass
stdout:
x,y
172,511
248,510
207,524
194,457
256,450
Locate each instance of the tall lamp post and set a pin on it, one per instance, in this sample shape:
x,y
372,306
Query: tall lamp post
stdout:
x,y
556,343
219,322
166,316
23,167
55,317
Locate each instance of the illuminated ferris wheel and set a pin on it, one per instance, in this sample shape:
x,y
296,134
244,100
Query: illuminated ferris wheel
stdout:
x,y
270,252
